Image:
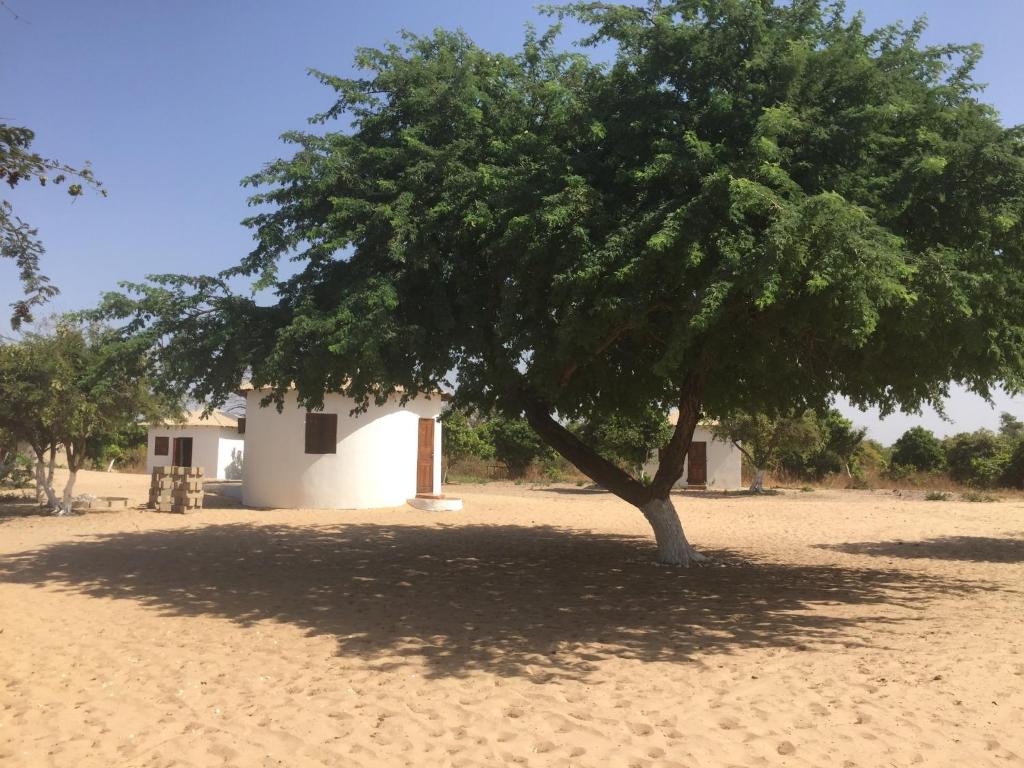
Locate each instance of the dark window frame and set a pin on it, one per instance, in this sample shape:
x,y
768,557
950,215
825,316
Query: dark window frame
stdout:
x,y
241,425
321,433
161,445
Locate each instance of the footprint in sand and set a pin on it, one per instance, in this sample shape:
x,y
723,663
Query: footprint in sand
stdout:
x,y
641,729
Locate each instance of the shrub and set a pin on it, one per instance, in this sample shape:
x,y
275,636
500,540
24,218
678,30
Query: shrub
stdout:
x,y
515,443
919,449
977,496
937,496
16,472
1013,472
978,458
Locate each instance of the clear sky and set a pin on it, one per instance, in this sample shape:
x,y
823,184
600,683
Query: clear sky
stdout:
x,y
174,102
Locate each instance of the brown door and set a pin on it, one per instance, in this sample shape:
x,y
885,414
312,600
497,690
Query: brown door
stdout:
x,y
425,458
697,464
182,452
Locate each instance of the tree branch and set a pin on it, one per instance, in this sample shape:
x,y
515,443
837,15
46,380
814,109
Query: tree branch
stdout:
x,y
585,458
670,464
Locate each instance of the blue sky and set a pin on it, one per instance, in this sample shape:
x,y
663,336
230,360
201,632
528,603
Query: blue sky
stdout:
x,y
174,102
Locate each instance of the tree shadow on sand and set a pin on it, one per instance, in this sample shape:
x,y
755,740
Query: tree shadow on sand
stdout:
x,y
511,600
979,549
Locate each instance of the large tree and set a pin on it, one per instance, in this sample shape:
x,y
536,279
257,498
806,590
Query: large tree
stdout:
x,y
753,205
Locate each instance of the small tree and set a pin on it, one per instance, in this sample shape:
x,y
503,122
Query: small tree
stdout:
x,y
1010,426
920,449
978,458
77,388
1013,474
515,444
460,439
834,450
765,440
630,441
28,401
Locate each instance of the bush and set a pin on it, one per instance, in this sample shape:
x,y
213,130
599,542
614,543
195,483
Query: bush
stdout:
x,y
515,443
16,472
979,458
919,449
1013,472
976,496
937,496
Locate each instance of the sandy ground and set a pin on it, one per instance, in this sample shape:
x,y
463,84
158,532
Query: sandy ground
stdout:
x,y
837,628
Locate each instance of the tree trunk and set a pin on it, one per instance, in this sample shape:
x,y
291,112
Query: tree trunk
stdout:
x,y
110,466
69,488
45,493
652,500
673,548
40,480
758,485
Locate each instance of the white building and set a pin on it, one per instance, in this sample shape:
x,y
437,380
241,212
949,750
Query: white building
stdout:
x,y
711,463
331,459
211,442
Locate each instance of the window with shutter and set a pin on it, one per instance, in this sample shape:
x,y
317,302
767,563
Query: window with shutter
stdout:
x,y
321,433
241,425
161,446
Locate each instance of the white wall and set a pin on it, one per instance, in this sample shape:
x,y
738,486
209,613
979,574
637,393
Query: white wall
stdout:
x,y
725,463
211,448
375,463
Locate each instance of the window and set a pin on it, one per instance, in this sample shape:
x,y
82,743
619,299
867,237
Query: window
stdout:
x,y
241,425
161,446
321,433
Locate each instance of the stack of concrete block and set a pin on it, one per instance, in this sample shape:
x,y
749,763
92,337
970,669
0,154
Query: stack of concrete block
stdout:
x,y
176,489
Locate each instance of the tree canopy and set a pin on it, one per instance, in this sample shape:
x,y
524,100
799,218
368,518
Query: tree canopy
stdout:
x,y
752,206
75,388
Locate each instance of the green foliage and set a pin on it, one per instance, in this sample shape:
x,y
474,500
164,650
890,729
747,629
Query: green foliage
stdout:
x,y
516,445
938,496
627,440
83,388
979,497
836,448
1011,427
461,439
978,458
1013,473
15,467
758,205
768,441
120,445
919,449
18,240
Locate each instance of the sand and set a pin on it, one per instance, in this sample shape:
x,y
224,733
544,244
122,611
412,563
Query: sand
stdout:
x,y
836,628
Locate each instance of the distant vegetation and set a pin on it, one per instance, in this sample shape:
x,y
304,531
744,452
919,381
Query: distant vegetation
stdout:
x,y
810,447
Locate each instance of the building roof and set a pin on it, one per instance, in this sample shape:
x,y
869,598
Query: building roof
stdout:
x,y
673,419
197,419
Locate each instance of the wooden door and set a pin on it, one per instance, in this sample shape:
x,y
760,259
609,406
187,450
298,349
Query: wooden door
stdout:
x,y
425,458
182,452
697,464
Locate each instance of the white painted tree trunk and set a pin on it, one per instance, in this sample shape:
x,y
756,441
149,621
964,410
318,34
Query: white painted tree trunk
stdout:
x,y
64,508
110,466
44,484
673,548
40,481
758,485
